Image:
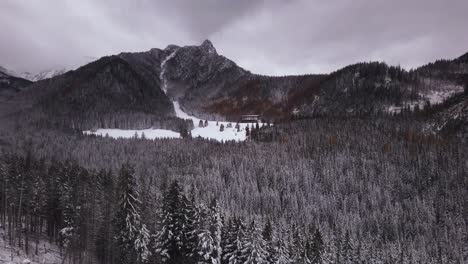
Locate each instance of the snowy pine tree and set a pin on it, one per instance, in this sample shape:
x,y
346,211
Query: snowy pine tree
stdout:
x,y
267,235
278,251
297,248
209,235
132,236
253,247
232,242
347,250
318,248
176,240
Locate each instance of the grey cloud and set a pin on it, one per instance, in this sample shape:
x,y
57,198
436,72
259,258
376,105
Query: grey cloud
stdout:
x,y
269,37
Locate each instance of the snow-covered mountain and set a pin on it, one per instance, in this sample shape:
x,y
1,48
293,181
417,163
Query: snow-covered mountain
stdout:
x,y
210,86
35,76
46,74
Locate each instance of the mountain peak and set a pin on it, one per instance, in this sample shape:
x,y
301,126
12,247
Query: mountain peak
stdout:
x,y
207,46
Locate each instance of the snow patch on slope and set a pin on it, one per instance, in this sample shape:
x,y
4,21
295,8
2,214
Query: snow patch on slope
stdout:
x,y
163,70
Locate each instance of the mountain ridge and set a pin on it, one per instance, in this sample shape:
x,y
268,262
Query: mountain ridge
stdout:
x,y
207,84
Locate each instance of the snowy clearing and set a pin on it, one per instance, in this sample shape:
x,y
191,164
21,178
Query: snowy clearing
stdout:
x,y
123,133
212,130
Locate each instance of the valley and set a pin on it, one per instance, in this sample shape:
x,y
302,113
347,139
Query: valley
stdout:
x,y
171,156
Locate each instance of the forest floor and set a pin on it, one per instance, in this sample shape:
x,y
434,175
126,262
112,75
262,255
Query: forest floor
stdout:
x,y
47,253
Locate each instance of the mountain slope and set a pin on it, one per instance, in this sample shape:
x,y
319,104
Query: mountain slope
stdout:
x,y
107,93
207,83
10,85
452,116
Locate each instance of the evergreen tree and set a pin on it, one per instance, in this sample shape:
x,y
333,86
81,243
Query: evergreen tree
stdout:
x,y
216,226
347,250
253,247
232,242
282,255
318,248
176,240
297,248
209,235
132,235
267,235
70,207
267,232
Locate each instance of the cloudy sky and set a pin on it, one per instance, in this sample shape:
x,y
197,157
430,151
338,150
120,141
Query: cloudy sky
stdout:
x,y
272,37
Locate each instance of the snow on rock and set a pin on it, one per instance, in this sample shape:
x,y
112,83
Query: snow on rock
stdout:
x,y
163,70
128,133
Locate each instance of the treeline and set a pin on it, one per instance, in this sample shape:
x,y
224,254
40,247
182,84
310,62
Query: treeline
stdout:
x,y
93,121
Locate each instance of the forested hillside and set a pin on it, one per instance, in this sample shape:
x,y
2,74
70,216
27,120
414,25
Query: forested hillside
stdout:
x,y
335,191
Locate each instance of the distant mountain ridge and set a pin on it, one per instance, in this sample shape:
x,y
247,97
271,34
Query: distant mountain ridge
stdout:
x,y
35,76
207,84
46,74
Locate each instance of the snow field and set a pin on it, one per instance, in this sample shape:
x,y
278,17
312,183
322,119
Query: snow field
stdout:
x,y
211,131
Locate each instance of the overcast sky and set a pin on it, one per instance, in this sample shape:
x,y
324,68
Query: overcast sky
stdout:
x,y
272,37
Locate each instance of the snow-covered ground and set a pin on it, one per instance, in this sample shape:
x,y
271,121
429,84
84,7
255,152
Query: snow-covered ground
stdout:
x,y
47,253
124,133
211,131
